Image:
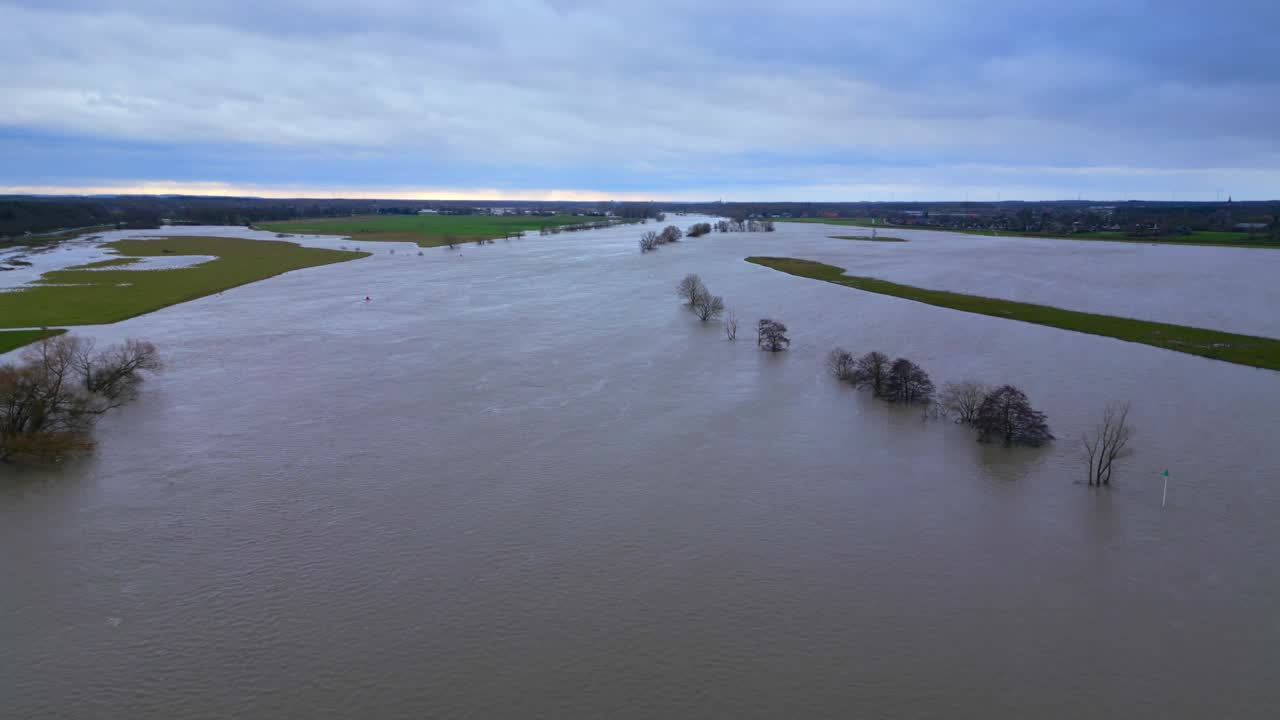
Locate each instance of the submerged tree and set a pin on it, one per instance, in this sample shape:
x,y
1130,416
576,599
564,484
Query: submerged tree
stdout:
x,y
871,371
114,374
841,364
671,234
648,241
690,287
772,335
961,400
907,382
1108,443
698,229
1006,415
707,306
49,402
731,326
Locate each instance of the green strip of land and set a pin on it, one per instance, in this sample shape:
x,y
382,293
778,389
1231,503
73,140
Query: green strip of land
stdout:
x,y
14,339
1240,349
1207,238
79,296
867,238
426,230
112,262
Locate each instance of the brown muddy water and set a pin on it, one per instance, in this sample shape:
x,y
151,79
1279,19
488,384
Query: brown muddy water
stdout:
x,y
523,482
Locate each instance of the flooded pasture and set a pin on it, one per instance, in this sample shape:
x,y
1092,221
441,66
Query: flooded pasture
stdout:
x,y
523,481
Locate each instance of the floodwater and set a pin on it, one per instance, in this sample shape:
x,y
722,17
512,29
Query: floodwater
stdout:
x,y
22,265
521,481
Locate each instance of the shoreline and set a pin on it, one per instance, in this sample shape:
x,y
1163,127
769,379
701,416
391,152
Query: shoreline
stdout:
x,y
858,222
1251,350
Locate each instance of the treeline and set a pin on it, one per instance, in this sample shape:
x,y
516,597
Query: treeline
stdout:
x,y
771,335
651,240
747,225
22,215
1003,413
1139,218
576,227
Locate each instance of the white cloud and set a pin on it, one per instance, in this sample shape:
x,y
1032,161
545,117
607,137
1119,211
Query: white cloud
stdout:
x,y
660,89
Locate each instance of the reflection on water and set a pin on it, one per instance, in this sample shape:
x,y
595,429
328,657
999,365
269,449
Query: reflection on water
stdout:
x,y
521,481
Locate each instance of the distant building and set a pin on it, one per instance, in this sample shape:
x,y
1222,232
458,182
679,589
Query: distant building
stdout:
x,y
1246,227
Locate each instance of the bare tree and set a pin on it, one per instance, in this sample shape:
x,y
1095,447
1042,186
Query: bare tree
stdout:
x,y
871,372
962,399
1108,443
1007,415
772,335
731,325
115,373
49,403
698,230
841,364
707,306
907,383
648,241
690,287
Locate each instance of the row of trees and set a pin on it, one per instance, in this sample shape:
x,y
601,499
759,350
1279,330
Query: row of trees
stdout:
x,y
1002,413
998,413
747,225
771,335
62,385
576,227
651,240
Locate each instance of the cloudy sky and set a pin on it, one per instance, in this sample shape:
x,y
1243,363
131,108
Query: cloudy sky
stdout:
x,y
741,99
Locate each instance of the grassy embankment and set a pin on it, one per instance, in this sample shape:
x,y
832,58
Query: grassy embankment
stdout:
x,y
425,230
85,296
867,238
14,339
1240,349
1208,238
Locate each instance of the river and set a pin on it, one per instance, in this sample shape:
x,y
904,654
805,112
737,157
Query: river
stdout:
x,y
522,481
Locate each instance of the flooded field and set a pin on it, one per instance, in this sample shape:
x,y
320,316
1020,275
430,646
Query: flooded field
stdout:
x,y
522,481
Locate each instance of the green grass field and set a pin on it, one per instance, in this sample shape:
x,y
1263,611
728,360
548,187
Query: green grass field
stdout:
x,y
14,339
1207,238
78,296
1240,349
856,222
867,238
425,230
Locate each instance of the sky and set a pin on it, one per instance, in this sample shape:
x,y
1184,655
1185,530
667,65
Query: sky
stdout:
x,y
634,99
